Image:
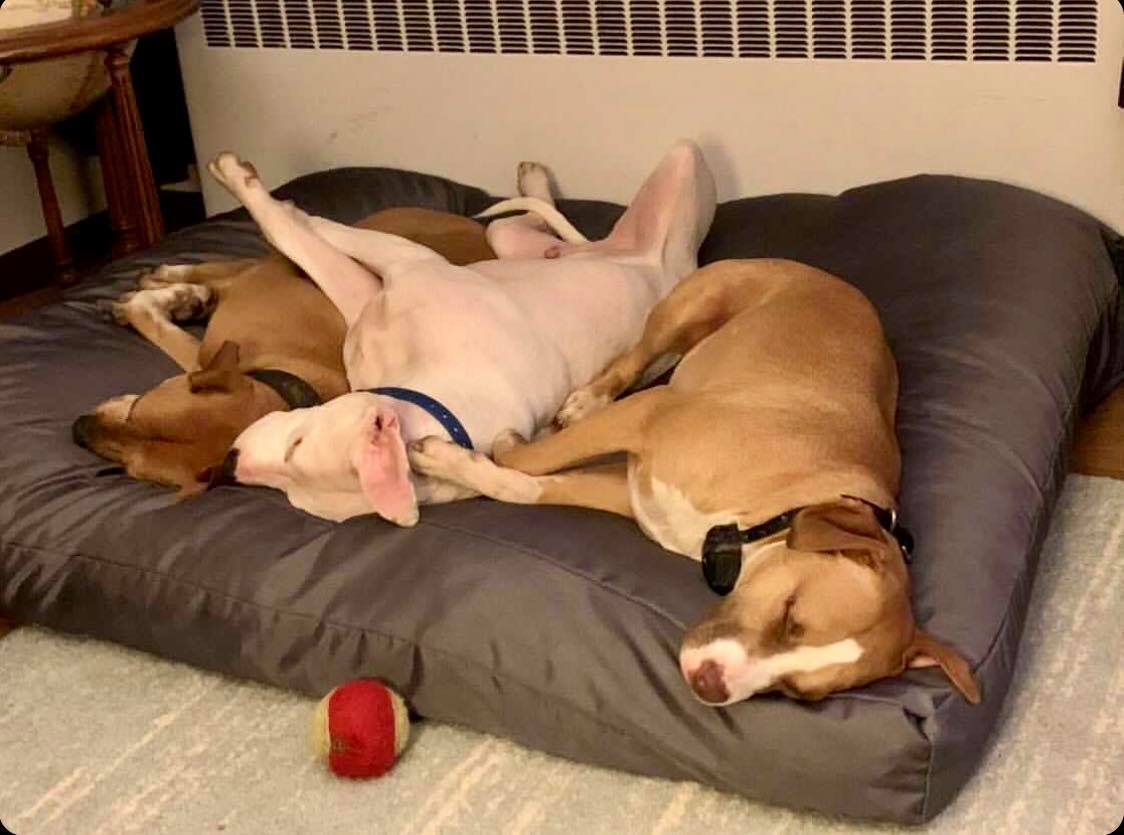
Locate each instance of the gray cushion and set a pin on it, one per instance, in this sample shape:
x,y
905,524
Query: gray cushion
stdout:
x,y
558,627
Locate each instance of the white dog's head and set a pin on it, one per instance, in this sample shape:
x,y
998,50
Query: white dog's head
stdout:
x,y
343,459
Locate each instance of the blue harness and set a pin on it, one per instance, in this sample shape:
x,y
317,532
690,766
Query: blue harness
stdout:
x,y
435,408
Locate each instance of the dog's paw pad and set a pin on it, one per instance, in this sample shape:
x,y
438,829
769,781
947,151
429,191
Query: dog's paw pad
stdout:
x,y
579,405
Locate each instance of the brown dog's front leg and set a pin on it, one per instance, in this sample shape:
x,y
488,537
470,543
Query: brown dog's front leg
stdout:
x,y
618,428
151,313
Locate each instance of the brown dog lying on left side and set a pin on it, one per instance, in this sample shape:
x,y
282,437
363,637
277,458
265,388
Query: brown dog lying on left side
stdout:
x,y
274,341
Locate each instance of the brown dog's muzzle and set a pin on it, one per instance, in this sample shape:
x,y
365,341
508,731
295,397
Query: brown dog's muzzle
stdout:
x,y
83,429
224,473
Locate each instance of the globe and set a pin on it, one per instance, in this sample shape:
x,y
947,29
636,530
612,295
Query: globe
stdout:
x,y
38,94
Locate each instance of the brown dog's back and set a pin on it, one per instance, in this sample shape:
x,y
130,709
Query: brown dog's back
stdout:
x,y
816,402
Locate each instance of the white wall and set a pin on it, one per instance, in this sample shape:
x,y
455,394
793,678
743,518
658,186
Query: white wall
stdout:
x,y
77,183
602,122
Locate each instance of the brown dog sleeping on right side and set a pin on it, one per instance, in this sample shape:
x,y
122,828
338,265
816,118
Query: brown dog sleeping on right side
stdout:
x,y
273,342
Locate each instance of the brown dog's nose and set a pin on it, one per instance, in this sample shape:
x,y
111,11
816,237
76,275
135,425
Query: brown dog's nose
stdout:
x,y
708,683
224,473
81,430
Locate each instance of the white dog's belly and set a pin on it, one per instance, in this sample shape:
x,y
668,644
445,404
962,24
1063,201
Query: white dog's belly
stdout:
x,y
500,344
469,347
590,309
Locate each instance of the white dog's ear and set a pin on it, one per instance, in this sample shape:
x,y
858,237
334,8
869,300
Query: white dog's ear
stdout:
x,y
384,471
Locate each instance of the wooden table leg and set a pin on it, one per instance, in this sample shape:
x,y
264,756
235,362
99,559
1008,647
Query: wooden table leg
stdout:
x,y
129,185
39,152
114,171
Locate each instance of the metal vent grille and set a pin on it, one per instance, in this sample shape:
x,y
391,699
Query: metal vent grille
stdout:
x,y
900,30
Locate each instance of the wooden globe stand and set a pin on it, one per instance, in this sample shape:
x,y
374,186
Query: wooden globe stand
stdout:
x,y
134,207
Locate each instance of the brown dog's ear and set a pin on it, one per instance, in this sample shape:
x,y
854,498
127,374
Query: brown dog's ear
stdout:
x,y
225,358
847,526
220,374
927,651
212,380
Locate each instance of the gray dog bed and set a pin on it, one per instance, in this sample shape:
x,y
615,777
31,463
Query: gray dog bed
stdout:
x,y
559,627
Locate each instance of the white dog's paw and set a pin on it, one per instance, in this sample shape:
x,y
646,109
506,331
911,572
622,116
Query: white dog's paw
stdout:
x,y
438,458
579,405
533,180
164,275
233,173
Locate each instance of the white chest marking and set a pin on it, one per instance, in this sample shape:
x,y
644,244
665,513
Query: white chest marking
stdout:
x,y
666,515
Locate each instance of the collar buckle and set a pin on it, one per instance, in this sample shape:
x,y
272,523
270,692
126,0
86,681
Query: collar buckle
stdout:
x,y
722,557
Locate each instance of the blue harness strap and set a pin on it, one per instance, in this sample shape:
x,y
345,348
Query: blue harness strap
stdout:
x,y
435,408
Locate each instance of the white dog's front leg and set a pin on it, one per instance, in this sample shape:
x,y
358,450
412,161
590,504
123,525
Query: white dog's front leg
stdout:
x,y
347,284
438,491
439,459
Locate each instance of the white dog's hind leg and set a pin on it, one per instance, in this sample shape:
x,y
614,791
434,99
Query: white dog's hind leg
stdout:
x,y
533,234
347,284
601,487
377,250
533,180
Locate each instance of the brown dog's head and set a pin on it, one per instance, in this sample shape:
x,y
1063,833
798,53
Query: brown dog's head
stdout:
x,y
176,433
821,609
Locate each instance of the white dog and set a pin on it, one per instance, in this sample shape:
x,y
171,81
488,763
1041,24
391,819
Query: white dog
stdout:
x,y
460,352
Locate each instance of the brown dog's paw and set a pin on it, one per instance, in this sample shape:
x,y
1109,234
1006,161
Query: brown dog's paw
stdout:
x,y
120,309
579,405
190,301
178,302
164,275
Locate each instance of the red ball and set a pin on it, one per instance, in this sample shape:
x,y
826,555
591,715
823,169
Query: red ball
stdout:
x,y
360,728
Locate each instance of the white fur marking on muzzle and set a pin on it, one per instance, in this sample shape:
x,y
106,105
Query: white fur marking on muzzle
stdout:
x,y
744,676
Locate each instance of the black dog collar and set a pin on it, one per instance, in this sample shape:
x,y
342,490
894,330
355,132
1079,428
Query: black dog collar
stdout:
x,y
289,387
722,549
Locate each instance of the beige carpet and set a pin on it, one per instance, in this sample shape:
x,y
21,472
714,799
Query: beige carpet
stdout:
x,y
97,739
